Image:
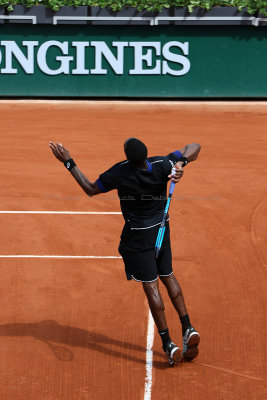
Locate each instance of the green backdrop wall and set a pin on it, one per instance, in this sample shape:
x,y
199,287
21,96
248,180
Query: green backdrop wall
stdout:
x,y
118,61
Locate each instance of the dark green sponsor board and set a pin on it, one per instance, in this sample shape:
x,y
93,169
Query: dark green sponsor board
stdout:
x,y
119,61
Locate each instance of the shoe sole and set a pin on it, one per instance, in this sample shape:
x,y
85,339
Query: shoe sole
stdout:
x,y
193,340
191,353
192,349
176,357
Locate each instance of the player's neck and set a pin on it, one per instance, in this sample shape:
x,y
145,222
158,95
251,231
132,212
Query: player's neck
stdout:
x,y
143,165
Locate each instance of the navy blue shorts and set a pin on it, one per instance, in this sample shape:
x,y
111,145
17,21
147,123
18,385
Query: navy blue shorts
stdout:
x,y
143,266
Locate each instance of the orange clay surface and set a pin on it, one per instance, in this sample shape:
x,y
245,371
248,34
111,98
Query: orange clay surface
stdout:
x,y
76,329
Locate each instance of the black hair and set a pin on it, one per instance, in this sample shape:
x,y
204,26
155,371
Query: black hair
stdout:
x,y
135,150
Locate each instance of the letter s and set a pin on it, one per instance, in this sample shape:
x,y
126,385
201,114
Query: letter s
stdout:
x,y
177,58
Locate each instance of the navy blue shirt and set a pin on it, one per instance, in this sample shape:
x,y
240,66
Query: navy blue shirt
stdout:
x,y
143,195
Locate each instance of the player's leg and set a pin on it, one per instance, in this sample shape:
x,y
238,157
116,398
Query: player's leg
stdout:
x,y
141,266
156,304
157,309
191,337
164,265
177,298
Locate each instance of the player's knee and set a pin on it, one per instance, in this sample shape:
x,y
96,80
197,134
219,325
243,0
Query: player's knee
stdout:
x,y
157,303
175,295
172,285
153,295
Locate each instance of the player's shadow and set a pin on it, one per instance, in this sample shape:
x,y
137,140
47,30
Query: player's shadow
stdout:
x,y
56,336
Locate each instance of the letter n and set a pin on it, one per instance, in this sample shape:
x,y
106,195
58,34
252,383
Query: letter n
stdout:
x,y
26,62
101,49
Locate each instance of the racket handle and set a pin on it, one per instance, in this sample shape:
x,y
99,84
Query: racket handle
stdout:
x,y
172,186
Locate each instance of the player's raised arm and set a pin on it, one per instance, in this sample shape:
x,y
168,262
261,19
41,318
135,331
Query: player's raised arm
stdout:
x,y
191,151
63,155
187,154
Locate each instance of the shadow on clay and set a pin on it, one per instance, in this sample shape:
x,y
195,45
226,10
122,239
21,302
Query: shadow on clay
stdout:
x,y
52,334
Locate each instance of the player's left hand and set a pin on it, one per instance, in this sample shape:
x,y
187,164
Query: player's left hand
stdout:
x,y
60,152
177,175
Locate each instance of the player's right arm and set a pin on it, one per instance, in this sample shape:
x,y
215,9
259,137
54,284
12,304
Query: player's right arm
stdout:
x,y
63,155
190,151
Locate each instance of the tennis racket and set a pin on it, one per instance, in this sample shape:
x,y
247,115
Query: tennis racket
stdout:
x,y
163,222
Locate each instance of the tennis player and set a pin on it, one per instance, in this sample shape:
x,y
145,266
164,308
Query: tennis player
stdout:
x,y
141,183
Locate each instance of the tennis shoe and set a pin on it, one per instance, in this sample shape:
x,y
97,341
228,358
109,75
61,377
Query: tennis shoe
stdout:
x,y
173,353
190,344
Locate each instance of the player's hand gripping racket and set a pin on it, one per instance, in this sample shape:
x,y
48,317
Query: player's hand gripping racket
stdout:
x,y
163,222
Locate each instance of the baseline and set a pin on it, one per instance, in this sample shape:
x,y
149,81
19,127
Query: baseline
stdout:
x,y
64,212
52,256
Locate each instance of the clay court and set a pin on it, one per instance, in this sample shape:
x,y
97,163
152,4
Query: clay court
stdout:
x,y
71,326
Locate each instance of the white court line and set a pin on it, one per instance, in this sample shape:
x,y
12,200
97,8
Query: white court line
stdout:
x,y
149,357
53,256
64,212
